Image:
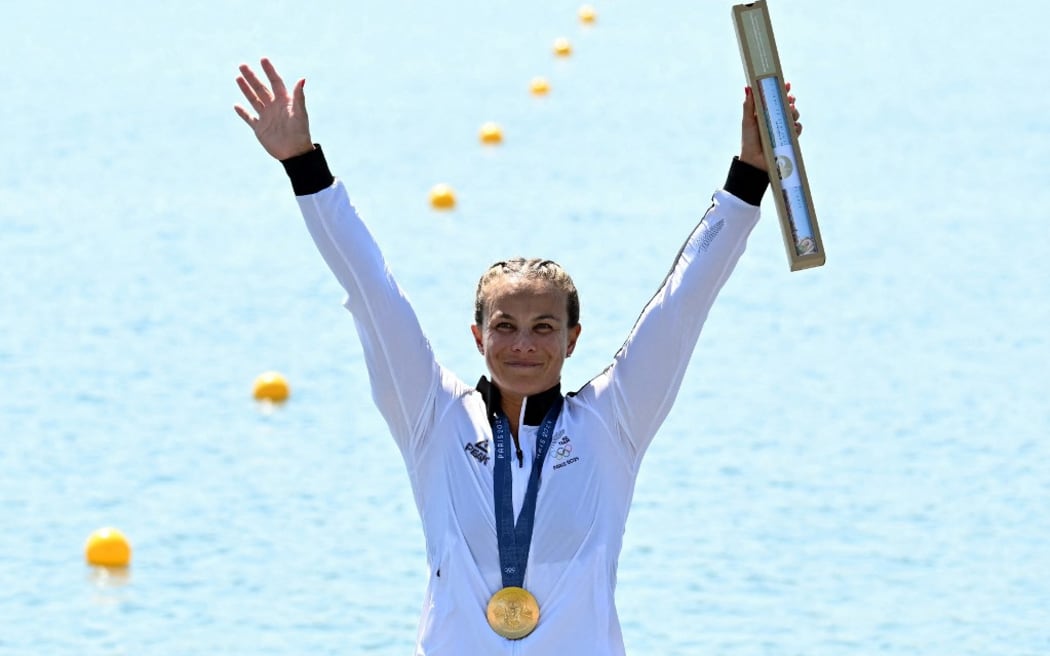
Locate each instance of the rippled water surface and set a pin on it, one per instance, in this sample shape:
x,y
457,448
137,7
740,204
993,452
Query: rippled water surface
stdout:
x,y
858,461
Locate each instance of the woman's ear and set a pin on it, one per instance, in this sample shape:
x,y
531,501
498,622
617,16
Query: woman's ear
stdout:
x,y
477,338
574,334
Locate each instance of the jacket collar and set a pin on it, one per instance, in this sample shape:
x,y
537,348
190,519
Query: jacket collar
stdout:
x,y
536,406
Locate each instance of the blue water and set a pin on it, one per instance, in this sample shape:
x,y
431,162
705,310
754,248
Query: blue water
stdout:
x,y
858,461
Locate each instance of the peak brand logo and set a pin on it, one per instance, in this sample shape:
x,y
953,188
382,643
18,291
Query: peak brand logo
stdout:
x,y
479,450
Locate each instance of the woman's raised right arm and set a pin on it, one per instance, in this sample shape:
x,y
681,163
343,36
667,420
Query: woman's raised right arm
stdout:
x,y
401,366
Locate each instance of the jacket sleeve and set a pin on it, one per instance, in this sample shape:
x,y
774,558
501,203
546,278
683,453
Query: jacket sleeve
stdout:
x,y
643,381
401,366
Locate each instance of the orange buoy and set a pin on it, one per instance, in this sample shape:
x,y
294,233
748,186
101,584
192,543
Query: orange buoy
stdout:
x,y
107,547
539,86
442,197
491,134
271,386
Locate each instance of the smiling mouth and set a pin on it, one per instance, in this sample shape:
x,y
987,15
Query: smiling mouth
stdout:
x,y
524,364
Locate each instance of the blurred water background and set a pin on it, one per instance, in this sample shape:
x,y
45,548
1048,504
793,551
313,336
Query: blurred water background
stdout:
x,y
858,460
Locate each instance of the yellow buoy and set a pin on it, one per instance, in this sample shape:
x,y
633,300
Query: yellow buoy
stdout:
x,y
587,14
539,86
107,547
562,47
491,133
442,197
271,386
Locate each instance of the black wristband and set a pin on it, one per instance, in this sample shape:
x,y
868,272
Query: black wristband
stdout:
x,y
746,182
308,172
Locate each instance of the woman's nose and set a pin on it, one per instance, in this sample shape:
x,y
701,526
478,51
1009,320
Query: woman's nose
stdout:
x,y
523,342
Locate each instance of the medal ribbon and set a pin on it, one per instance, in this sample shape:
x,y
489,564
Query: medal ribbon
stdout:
x,y
513,537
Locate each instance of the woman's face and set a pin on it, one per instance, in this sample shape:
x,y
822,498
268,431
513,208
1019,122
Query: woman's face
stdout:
x,y
524,335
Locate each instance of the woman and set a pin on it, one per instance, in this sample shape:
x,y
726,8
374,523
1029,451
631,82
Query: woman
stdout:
x,y
523,492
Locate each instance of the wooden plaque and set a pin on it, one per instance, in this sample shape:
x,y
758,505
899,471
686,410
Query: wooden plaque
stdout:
x,y
798,220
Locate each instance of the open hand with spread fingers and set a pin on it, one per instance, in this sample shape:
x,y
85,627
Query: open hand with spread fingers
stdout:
x,y
280,121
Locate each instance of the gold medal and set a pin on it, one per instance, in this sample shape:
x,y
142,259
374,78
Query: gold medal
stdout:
x,y
513,613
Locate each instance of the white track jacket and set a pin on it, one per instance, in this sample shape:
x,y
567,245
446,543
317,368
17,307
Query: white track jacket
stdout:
x,y
441,425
